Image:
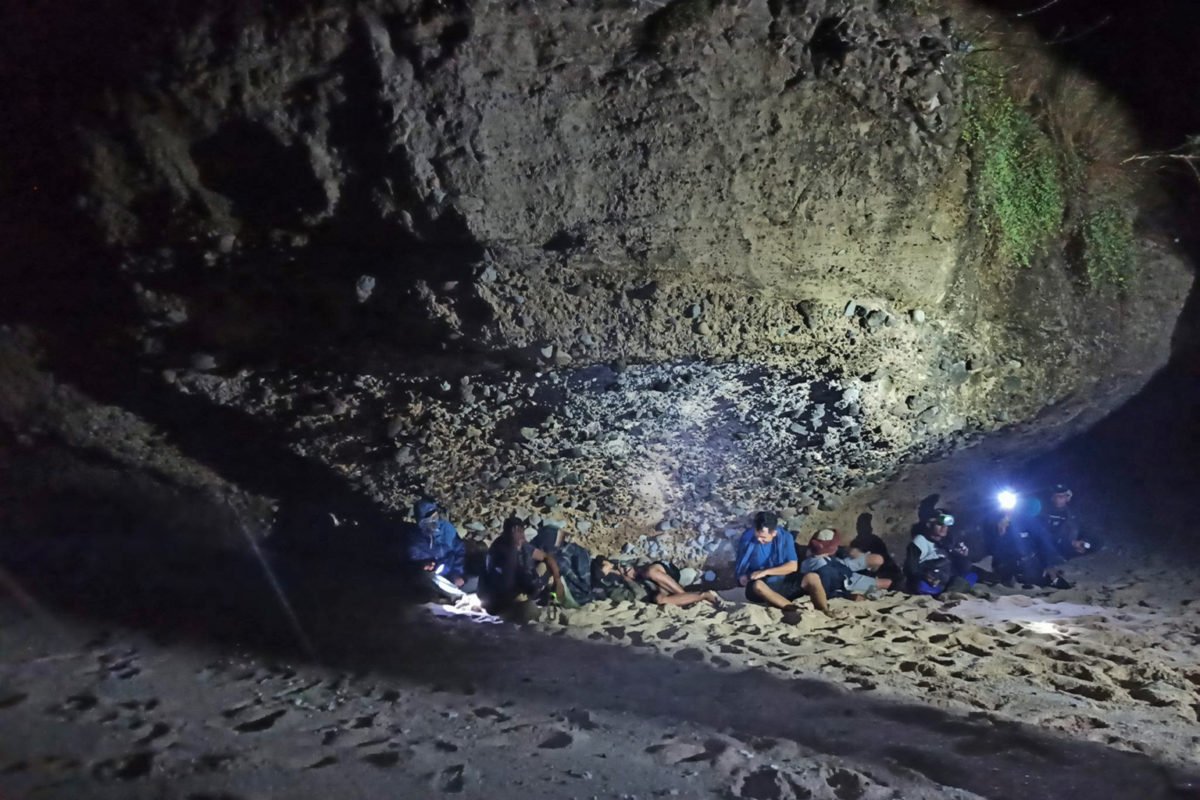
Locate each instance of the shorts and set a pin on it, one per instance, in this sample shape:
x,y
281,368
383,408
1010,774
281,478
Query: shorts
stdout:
x,y
787,586
860,584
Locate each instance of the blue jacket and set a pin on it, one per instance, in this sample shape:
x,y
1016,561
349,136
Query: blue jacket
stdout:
x,y
752,556
439,544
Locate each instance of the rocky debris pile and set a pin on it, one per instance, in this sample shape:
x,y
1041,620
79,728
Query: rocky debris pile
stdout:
x,y
664,461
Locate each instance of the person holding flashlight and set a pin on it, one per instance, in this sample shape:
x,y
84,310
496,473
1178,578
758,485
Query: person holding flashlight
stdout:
x,y
1063,526
1021,549
434,548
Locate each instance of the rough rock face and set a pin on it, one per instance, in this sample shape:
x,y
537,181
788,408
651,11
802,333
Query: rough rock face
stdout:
x,y
760,207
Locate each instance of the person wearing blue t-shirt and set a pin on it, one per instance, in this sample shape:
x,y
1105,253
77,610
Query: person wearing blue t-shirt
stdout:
x,y
768,566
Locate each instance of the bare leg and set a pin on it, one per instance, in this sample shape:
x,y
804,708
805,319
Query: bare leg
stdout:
x,y
664,581
769,595
812,586
686,598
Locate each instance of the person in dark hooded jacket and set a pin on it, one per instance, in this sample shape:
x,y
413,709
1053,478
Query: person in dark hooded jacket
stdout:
x,y
433,546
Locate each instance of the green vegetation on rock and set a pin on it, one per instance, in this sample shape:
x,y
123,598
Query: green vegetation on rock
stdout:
x,y
1018,180
1048,169
1108,245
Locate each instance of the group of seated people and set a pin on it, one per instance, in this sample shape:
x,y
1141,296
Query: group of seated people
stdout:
x,y
1028,548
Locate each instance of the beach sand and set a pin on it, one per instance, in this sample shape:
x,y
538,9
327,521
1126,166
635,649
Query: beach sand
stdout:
x,y
1095,690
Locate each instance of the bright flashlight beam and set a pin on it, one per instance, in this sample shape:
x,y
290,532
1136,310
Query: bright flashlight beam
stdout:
x,y
1007,500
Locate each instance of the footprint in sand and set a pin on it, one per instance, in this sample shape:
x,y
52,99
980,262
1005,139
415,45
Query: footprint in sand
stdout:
x,y
126,768
452,779
678,752
557,741
487,712
262,723
157,731
581,719
12,700
385,759
215,762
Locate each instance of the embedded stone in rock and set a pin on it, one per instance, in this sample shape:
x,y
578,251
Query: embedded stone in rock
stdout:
x,y
529,434
918,316
364,287
203,362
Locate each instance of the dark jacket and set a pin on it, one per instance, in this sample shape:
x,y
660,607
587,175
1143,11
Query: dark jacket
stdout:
x,y
435,541
935,562
1063,528
510,571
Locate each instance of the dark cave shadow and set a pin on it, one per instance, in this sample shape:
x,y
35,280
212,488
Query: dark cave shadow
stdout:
x,y
360,623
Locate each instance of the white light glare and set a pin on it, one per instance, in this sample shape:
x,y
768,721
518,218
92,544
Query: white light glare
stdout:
x,y
1007,500
1043,627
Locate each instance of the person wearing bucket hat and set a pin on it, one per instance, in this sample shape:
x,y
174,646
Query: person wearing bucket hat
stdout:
x,y
936,560
838,575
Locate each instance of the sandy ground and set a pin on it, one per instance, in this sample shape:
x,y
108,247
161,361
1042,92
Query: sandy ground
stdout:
x,y
172,690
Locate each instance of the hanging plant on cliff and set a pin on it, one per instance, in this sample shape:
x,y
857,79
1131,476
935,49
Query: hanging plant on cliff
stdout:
x,y
1018,183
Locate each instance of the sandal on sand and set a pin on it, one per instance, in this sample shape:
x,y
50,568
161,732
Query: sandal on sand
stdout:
x,y
792,615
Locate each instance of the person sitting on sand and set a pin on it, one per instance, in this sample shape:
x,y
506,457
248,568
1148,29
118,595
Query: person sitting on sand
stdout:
x,y
767,565
839,573
1063,527
936,561
512,577
1022,552
649,582
574,564
433,547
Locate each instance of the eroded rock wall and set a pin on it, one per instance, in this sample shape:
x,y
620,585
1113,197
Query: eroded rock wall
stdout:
x,y
661,263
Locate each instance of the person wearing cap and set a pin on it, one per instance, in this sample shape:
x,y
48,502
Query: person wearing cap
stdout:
x,y
936,560
1062,525
434,547
768,566
839,575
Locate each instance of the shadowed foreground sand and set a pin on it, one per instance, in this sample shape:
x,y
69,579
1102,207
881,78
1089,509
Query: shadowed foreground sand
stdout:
x,y
1090,691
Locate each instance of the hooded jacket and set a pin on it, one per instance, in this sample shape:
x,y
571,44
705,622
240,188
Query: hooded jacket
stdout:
x,y
439,543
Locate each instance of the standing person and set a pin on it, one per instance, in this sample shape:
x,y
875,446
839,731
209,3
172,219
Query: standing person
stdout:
x,y
767,565
511,577
935,560
1063,527
433,547
839,575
